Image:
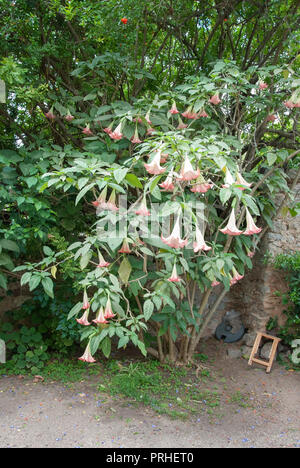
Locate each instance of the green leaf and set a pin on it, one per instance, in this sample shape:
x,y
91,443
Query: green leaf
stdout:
x,y
83,192
148,309
34,282
120,173
47,284
106,346
84,260
271,158
133,181
25,278
74,311
3,281
125,270
9,245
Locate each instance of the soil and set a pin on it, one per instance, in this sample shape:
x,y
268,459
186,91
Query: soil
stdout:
x,y
40,414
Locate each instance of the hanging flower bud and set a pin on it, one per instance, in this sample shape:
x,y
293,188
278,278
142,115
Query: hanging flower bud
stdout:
x,y
108,130
108,313
181,125
262,85
101,200
125,247
174,239
87,131
168,183
143,210
102,263
187,172
154,166
117,134
84,319
174,278
69,117
147,118
100,317
201,186
50,115
111,203
241,181
203,113
215,99
229,180
87,356
200,244
85,304
174,109
231,228
135,137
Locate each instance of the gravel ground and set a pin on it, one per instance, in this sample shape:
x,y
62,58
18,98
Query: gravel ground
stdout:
x,y
49,414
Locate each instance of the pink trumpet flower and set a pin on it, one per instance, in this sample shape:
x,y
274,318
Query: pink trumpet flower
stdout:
x,y
125,247
289,104
271,118
174,278
200,186
111,203
84,319
87,356
203,113
117,134
187,172
181,125
150,131
231,228
100,317
168,183
251,228
174,109
102,263
174,239
87,131
236,277
49,115
200,244
241,181
215,99
135,138
85,305
147,118
108,313
262,85
143,210
189,113
69,117
229,180
108,129
215,283
101,200
250,253
154,166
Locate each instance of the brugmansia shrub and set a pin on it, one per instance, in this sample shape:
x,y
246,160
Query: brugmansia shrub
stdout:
x,y
180,202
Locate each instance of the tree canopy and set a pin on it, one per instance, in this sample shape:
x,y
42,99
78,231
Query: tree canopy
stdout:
x,y
165,102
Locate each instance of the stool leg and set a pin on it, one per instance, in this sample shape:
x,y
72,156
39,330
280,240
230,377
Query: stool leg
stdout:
x,y
272,355
255,348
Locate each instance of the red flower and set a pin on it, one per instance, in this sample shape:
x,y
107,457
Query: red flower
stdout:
x,y
124,20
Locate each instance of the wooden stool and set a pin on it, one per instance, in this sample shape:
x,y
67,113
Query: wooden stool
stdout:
x,y
269,363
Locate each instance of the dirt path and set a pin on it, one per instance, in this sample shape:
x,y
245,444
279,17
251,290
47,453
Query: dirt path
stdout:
x,y
53,415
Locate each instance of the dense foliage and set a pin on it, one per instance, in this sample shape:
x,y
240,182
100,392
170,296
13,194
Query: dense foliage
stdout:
x,y
120,112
